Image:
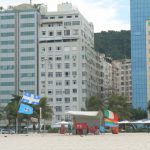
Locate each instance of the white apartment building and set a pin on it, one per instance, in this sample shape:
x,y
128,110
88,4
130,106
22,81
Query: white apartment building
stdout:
x,y
69,67
51,54
106,76
122,78
18,51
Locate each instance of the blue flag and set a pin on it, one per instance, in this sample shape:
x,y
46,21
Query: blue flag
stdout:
x,y
30,98
25,109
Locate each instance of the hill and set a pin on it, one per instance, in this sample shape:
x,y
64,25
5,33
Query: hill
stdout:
x,y
116,44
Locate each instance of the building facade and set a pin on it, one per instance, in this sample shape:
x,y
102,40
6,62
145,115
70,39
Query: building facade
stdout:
x,y
69,67
18,51
122,83
140,14
51,54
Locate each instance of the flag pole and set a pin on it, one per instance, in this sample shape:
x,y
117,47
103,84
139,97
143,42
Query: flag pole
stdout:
x,y
40,119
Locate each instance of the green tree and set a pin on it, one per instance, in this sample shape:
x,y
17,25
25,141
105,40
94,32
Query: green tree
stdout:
x,y
11,109
114,44
137,114
46,109
119,105
95,103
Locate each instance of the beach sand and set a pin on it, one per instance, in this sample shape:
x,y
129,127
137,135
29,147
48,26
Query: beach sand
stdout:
x,y
122,141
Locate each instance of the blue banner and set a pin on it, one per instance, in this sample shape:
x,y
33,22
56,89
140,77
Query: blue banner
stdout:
x,y
25,109
30,98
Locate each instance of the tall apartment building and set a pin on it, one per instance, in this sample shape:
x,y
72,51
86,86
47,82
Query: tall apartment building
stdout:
x,y
51,54
122,83
140,16
69,66
18,51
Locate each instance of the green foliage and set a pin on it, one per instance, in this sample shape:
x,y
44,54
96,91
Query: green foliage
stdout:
x,y
115,44
12,108
119,105
46,110
137,114
95,103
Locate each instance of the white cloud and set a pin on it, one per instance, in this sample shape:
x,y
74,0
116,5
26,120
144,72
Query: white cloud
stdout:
x,y
103,13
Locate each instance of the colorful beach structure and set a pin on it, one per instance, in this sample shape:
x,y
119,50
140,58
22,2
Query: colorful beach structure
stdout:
x,y
85,122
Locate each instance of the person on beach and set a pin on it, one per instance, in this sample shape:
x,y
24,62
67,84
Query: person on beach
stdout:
x,y
69,128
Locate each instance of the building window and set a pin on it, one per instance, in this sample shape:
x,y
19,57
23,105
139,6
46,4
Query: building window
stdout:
x,y
58,83
75,32
58,92
67,99
67,74
51,33
67,65
58,58
74,64
67,57
75,22
67,82
74,73
68,16
58,109
58,48
50,92
66,32
67,23
50,82
74,99
49,48
67,108
50,74
58,100
74,90
74,57
43,32
58,65
84,91
58,74
59,33
67,91
74,82
50,58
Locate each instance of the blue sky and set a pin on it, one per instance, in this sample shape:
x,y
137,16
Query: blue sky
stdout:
x,y
105,14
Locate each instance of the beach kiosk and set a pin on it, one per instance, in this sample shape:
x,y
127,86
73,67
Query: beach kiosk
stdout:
x,y
85,122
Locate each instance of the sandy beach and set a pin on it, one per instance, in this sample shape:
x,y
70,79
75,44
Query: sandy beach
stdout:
x,y
122,141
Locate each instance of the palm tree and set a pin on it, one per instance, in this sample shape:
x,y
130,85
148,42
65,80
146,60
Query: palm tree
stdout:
x,y
11,109
46,110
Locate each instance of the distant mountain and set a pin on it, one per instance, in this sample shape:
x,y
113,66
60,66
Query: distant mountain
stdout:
x,y
116,44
